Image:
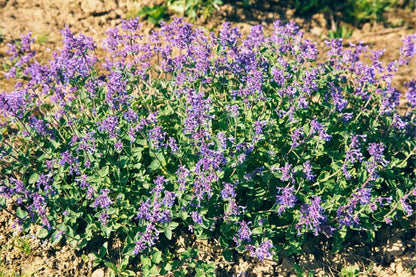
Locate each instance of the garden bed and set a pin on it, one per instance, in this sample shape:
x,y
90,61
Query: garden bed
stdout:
x,y
391,254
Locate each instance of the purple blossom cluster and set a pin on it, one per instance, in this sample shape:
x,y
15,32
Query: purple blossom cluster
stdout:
x,y
263,251
285,199
249,138
312,216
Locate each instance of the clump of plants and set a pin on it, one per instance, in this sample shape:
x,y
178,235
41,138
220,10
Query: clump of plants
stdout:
x,y
248,142
192,9
354,11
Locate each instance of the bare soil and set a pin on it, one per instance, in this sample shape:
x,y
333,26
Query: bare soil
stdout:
x,y
392,254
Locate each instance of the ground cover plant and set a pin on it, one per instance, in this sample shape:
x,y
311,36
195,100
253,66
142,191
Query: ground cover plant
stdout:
x,y
253,143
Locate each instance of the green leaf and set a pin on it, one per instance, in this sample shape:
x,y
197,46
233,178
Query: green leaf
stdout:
x,y
298,269
112,266
21,213
2,202
103,250
223,242
173,225
167,232
43,233
177,7
106,230
145,261
257,231
128,249
103,172
155,165
33,178
137,153
81,243
151,272
157,257
228,255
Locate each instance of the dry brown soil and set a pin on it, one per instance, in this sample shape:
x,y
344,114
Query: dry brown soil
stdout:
x,y
393,253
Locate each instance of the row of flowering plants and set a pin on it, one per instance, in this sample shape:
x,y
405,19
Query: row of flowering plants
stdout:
x,y
254,143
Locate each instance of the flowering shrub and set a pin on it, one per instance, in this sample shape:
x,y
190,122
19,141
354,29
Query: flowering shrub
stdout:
x,y
252,142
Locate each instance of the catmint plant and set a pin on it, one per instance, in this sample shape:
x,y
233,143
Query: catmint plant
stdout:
x,y
255,142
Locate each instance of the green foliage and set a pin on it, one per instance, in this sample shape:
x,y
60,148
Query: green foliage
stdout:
x,y
340,32
360,11
307,7
251,142
153,14
192,9
356,12
350,271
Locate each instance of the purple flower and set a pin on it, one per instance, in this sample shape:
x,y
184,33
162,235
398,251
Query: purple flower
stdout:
x,y
362,195
285,198
244,233
131,25
196,217
169,199
347,117
109,125
408,50
45,180
14,102
104,217
263,251
228,36
255,38
339,102
59,234
11,74
296,137
90,192
411,92
222,140
173,145
353,154
182,173
103,201
318,127
398,122
386,199
287,173
160,184
38,204
376,151
87,143
144,210
335,51
131,116
279,76
39,126
83,181
66,158
312,216
234,110
406,207
147,239
228,191
157,136
345,171
118,145
307,169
